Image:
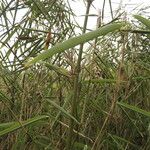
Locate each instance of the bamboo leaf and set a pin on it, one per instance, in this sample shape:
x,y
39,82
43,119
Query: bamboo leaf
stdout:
x,y
17,125
57,69
60,47
134,108
6,125
62,110
143,20
122,139
102,81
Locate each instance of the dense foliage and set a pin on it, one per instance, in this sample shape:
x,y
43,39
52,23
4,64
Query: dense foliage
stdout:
x,y
87,92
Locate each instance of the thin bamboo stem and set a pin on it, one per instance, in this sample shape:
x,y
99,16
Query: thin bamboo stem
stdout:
x,y
76,86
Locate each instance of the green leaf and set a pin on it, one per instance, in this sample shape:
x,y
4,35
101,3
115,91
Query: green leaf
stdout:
x,y
6,125
17,125
134,108
122,139
58,70
62,110
143,20
101,81
61,47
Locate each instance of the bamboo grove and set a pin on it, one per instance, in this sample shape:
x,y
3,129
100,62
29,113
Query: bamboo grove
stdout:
x,y
61,90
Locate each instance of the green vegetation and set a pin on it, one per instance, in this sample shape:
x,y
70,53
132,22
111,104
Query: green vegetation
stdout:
x,y
64,91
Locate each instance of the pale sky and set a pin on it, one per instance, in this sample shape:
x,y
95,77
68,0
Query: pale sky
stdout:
x,y
130,6
79,9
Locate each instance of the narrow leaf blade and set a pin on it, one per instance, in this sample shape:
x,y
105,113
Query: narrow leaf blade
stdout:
x,y
134,108
17,125
72,42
